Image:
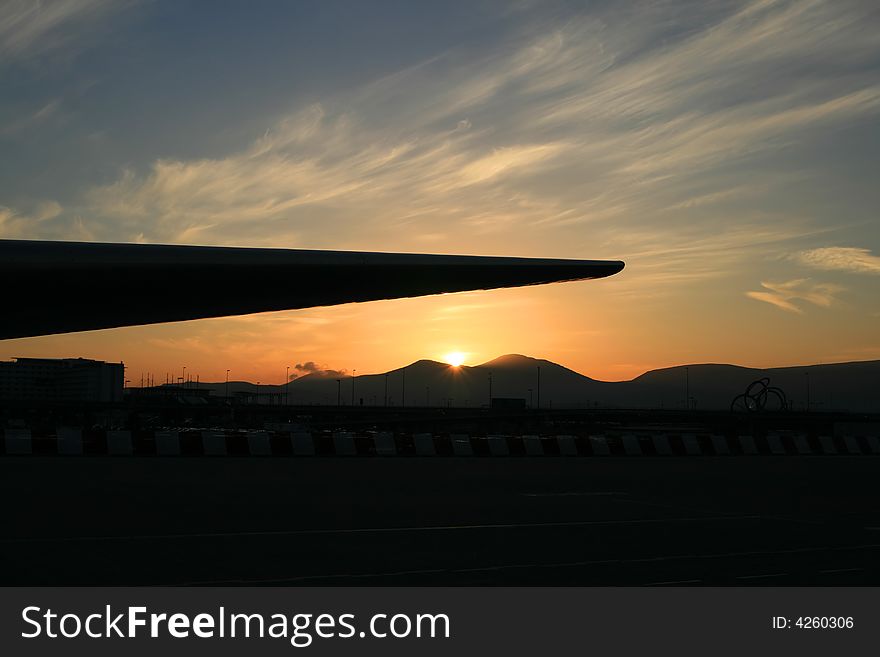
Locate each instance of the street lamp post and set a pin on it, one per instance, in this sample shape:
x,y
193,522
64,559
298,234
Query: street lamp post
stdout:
x,y
287,386
226,389
353,372
339,392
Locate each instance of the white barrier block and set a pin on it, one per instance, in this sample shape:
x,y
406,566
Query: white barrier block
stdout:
x,y
260,443
802,445
461,444
424,443
661,445
774,440
852,445
599,445
167,443
385,445
874,444
747,443
343,444
567,446
19,441
69,441
119,443
303,444
631,446
719,443
214,443
691,445
828,446
498,446
533,445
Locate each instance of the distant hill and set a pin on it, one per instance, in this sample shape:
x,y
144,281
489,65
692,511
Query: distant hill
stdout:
x,y
841,386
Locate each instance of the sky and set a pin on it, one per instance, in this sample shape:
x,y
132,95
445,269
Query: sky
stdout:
x,y
726,151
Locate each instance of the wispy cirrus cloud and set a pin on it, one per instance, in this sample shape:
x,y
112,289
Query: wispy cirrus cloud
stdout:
x,y
784,295
841,258
34,26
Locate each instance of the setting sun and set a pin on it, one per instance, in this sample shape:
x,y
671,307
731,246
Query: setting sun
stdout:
x,y
455,358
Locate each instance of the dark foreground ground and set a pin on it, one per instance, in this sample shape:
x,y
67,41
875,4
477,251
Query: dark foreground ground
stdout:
x,y
546,521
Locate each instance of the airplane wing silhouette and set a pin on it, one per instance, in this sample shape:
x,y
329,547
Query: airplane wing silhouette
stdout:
x,y
61,287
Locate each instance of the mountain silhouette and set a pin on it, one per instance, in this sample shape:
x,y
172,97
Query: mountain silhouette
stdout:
x,y
840,386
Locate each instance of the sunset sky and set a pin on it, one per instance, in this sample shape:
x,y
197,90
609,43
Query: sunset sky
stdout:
x,y
726,151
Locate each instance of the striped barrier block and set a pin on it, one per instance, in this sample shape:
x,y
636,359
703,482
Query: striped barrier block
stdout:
x,y
852,445
691,445
303,444
533,446
827,444
661,445
874,444
461,444
343,444
70,441
598,444
631,446
167,443
385,445
802,445
18,441
567,445
119,443
498,446
747,445
719,444
259,443
774,440
214,443
424,444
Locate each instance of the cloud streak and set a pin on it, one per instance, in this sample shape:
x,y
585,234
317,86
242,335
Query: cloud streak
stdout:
x,y
784,295
840,258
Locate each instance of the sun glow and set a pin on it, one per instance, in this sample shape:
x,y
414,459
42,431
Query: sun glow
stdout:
x,y
454,358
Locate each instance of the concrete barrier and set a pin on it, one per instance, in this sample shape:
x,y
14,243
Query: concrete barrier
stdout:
x,y
461,444
827,444
852,445
719,444
343,444
303,444
424,443
774,440
533,445
631,446
119,443
661,445
260,443
214,443
747,444
167,443
19,441
498,446
69,441
802,445
567,445
385,445
599,444
691,445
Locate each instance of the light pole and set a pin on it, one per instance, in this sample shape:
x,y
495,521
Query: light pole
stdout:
x,y
339,392
226,391
183,378
352,386
687,388
287,386
403,389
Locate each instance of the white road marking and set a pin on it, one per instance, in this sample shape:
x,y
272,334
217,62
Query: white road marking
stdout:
x,y
763,576
376,530
841,570
675,581
600,493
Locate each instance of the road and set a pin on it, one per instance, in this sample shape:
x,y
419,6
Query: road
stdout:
x,y
440,521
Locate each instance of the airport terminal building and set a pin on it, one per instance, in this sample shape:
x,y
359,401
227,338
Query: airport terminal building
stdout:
x,y
59,380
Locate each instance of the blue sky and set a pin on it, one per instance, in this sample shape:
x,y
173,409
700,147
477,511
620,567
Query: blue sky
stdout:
x,y
726,150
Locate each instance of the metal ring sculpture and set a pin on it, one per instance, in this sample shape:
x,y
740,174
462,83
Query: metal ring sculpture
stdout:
x,y
760,396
